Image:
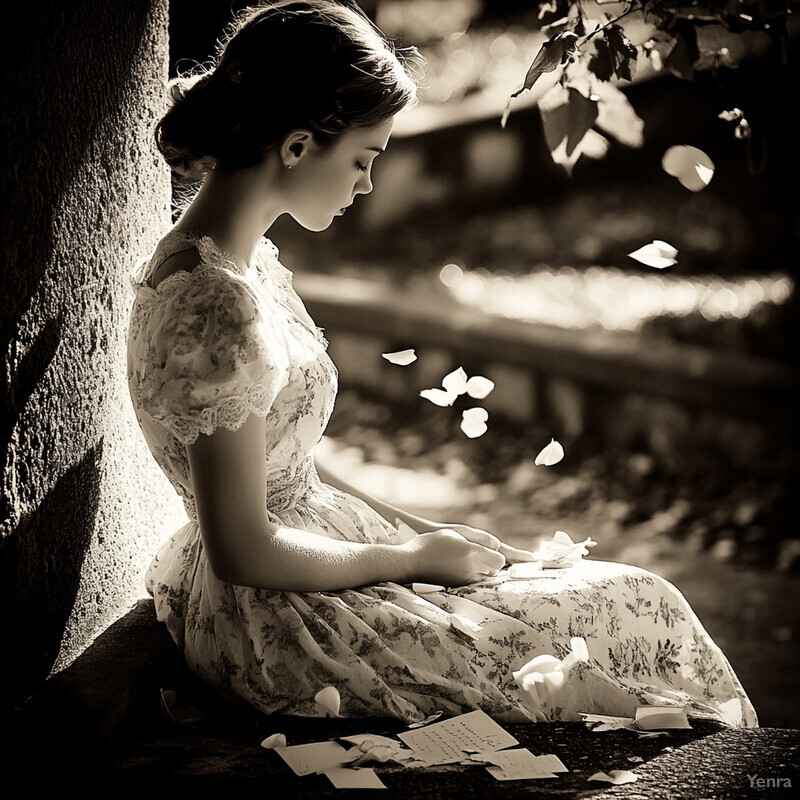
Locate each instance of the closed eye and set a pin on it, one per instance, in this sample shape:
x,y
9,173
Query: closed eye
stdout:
x,y
362,167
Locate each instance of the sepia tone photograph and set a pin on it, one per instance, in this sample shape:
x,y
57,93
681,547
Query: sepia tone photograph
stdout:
x,y
403,395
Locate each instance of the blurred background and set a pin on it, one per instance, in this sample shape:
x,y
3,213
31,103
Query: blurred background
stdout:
x,y
672,391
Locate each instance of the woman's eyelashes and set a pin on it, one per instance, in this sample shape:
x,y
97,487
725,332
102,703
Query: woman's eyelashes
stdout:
x,y
362,167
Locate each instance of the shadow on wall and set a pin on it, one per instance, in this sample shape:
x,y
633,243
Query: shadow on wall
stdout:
x,y
40,555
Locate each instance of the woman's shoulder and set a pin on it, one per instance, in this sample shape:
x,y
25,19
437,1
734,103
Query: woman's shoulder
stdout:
x,y
183,258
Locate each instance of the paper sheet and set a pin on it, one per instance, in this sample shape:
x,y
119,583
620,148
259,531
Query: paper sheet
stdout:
x,y
445,742
521,764
307,759
344,778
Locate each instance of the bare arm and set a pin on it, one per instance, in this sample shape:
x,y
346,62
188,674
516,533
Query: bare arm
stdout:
x,y
420,524
229,480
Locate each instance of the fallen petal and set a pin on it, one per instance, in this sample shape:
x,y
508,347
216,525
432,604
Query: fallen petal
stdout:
x,y
274,741
329,700
551,454
477,414
616,776
682,162
479,387
401,357
455,382
657,254
473,427
439,397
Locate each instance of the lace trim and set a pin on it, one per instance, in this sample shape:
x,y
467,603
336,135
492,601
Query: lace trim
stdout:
x,y
230,413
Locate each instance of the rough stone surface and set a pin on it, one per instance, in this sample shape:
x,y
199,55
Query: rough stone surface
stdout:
x,y
87,195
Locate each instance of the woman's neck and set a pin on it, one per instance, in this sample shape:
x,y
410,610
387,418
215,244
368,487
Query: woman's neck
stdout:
x,y
235,208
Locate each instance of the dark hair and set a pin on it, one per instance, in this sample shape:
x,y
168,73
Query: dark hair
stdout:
x,y
317,65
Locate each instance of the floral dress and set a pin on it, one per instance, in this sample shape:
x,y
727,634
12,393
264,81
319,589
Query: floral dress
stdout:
x,y
211,346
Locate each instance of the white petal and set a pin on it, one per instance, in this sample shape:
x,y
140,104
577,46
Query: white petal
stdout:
x,y
551,454
692,167
657,254
274,741
473,427
401,357
456,381
479,387
478,414
616,776
329,700
439,396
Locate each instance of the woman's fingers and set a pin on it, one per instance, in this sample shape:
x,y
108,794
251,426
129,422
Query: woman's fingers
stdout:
x,y
477,536
516,556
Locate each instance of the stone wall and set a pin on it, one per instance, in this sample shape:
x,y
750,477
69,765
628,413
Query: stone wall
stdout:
x,y
86,194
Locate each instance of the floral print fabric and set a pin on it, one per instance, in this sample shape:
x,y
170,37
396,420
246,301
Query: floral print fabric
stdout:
x,y
208,348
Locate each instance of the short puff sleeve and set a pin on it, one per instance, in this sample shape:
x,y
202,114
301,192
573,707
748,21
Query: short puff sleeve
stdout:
x,y
212,354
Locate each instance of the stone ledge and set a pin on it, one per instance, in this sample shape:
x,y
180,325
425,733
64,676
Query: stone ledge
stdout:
x,y
99,722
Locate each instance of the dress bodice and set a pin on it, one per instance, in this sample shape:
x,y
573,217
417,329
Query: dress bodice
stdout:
x,y
211,346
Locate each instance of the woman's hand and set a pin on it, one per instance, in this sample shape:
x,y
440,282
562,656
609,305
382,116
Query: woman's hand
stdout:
x,y
448,558
512,555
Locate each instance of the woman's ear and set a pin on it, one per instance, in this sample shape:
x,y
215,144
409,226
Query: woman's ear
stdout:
x,y
294,146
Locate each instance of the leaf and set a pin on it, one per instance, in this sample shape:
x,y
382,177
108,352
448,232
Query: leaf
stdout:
x,y
555,108
685,53
690,165
329,700
401,357
615,55
617,116
549,455
582,113
657,254
275,741
552,53
479,387
473,422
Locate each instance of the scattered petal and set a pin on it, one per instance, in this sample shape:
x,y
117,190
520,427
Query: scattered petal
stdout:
x,y
657,254
473,427
635,759
479,387
430,718
616,776
682,162
455,382
401,357
439,397
561,552
274,741
551,454
329,700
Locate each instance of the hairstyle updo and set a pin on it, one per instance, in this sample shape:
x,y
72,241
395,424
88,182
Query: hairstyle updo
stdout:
x,y
316,65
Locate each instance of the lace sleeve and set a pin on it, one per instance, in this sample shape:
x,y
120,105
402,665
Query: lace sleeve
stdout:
x,y
212,355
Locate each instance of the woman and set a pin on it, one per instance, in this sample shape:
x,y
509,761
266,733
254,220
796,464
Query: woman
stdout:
x,y
286,580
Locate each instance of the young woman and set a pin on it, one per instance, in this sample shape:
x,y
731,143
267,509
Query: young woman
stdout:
x,y
286,580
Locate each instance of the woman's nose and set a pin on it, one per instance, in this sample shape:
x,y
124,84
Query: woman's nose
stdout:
x,y
363,184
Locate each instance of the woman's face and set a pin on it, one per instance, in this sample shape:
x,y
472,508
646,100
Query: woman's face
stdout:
x,y
324,180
